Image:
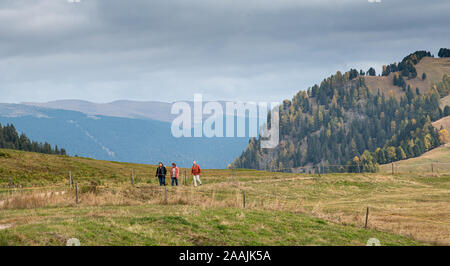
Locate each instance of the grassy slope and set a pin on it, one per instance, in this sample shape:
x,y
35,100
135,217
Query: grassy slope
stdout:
x,y
35,169
439,157
280,209
32,169
435,68
384,84
444,101
444,122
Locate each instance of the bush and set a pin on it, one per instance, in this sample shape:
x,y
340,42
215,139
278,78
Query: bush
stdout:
x,y
5,154
93,187
444,52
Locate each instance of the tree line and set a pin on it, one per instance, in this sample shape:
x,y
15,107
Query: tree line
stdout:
x,y
10,139
444,52
406,67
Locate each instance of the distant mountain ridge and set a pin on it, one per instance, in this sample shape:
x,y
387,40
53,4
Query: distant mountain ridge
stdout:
x,y
154,110
115,138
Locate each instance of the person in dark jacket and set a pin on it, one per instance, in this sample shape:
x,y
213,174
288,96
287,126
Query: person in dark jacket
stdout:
x,y
161,174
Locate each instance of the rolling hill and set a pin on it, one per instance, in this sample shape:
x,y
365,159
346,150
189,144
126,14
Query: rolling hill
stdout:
x,y
435,69
443,122
434,161
354,121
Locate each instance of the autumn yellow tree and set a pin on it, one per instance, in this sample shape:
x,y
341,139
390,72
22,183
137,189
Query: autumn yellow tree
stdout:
x,y
444,136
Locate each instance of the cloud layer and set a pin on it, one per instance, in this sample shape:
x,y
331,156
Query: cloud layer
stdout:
x,y
104,50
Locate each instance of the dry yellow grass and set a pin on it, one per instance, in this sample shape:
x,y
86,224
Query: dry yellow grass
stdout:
x,y
435,69
384,84
444,122
444,101
436,160
410,206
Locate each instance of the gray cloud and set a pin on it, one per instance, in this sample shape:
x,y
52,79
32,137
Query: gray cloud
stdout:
x,y
103,50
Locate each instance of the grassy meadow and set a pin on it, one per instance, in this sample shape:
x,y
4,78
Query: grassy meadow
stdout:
x,y
280,208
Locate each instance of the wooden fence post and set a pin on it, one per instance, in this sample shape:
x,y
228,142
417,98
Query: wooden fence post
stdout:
x,y
70,180
392,168
243,198
232,174
432,170
132,178
76,192
165,194
367,217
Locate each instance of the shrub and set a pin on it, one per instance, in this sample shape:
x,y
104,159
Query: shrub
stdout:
x,y
5,154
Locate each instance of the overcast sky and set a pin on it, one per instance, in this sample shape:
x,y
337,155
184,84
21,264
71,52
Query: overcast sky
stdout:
x,y
264,50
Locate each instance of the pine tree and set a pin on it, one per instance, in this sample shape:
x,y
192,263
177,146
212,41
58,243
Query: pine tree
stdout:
x,y
10,139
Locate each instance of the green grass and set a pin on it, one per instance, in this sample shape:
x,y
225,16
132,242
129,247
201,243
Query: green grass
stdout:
x,y
281,208
182,225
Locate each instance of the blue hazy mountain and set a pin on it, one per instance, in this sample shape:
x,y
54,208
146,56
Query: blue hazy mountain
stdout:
x,y
119,138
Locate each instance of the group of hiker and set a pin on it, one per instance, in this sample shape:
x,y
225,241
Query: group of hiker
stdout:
x,y
161,173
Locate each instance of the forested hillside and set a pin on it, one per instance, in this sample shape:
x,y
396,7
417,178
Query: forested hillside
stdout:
x,y
342,125
10,139
118,138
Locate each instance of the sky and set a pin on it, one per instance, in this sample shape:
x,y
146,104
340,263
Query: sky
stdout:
x,y
167,50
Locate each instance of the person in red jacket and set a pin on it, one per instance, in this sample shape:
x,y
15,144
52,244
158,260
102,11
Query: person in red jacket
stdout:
x,y
174,171
196,173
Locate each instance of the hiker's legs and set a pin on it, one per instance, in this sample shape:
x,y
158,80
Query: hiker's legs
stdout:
x,y
174,181
160,180
195,180
164,180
